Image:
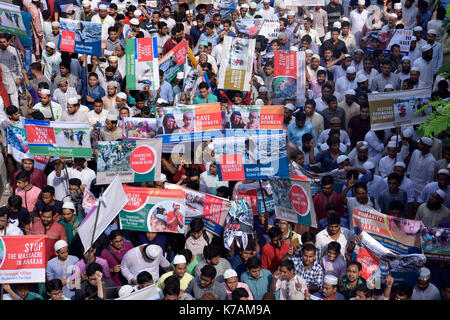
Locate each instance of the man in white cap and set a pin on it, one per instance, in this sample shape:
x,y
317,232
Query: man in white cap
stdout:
x,y
329,289
444,163
368,70
104,19
360,154
414,77
146,257
87,13
386,165
426,65
231,282
179,271
281,10
349,105
60,267
46,103
243,9
109,100
437,49
443,178
111,132
358,18
267,12
376,184
54,35
345,83
433,212
63,91
51,59
70,220
421,165
404,68
417,32
414,50
424,289
73,112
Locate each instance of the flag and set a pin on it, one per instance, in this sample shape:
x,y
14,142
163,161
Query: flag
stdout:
x,y
112,201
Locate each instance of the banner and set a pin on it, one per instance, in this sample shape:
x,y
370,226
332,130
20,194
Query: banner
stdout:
x,y
81,37
22,259
138,128
436,243
293,201
384,39
236,67
173,62
239,224
153,210
152,292
142,65
187,123
390,109
11,20
269,28
59,138
397,234
289,75
89,203
252,194
251,158
213,210
301,3
133,161
226,7
18,147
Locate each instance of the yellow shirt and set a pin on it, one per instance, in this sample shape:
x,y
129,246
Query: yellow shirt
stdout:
x,y
184,282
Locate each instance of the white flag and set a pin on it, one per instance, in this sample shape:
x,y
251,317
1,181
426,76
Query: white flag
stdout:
x,y
113,200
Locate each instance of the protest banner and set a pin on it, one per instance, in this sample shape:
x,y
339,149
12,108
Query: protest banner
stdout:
x,y
11,20
269,28
82,37
391,109
151,292
251,158
133,161
385,39
239,224
293,201
289,75
142,65
96,127
58,138
173,62
18,147
153,210
22,259
89,202
397,234
252,194
188,123
226,7
236,66
301,3
211,209
138,128
436,243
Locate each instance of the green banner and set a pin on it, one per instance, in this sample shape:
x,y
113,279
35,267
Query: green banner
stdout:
x,y
11,20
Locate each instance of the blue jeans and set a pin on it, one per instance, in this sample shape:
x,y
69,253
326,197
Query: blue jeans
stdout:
x,y
27,59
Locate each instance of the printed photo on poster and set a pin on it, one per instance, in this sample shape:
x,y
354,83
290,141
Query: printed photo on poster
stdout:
x,y
138,128
81,37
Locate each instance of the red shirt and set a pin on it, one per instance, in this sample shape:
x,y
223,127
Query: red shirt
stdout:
x,y
54,233
272,256
321,201
173,226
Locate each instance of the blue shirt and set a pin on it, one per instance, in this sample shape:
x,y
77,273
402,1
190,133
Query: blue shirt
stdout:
x,y
96,92
26,17
166,92
259,286
205,37
295,133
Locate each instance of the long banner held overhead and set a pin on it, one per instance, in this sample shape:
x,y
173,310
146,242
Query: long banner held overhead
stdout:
x,y
211,209
397,234
301,3
236,67
173,62
293,201
385,39
59,138
11,20
22,259
436,243
153,210
289,75
269,28
133,161
251,158
81,37
397,108
142,65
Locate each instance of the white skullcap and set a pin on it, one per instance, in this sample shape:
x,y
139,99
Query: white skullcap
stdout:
x,y
406,58
361,78
111,84
351,69
163,177
180,75
281,6
112,116
425,273
415,69
400,164
444,171
72,100
45,91
330,279
337,24
315,56
361,2
292,48
102,7
161,101
244,5
51,45
290,106
60,244
68,205
266,1
309,51
389,86
259,102
350,92
134,22
152,251
397,5
432,31
86,3
393,15
122,95
441,194
55,24
113,58
341,159
125,290
425,48
427,141
291,13
253,5
407,133
368,165
229,273
137,12
418,28
27,157
392,144
262,89
364,146
179,258
358,50
345,19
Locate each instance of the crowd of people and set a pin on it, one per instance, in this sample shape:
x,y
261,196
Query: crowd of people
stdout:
x,y
395,171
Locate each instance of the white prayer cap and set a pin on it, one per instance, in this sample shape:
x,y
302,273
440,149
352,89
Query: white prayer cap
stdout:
x,y
259,102
179,258
111,84
397,5
361,78
47,113
413,38
368,165
418,28
345,19
293,48
290,106
180,75
125,290
400,164
415,69
441,194
266,1
407,133
393,15
137,12
113,58
78,97
427,141
315,56
163,177
112,116
364,146
86,3
229,273
359,50
406,58
444,171
392,144
68,205
330,279
152,251
361,2
281,6
134,22
259,80
389,86
189,12
161,101
425,273
432,31
351,69
45,91
72,100
102,7
60,244
425,48
244,5
253,5
51,45
262,89
291,13
341,159
350,92
55,24
27,157
122,95
309,51
337,24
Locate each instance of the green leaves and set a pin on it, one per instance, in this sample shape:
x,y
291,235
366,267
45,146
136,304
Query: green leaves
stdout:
x,y
438,121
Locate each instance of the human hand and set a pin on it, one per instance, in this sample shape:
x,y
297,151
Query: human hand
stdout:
x,y
98,276
298,285
389,280
277,274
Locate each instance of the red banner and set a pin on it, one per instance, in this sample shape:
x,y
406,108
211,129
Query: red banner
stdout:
x,y
40,135
67,41
285,64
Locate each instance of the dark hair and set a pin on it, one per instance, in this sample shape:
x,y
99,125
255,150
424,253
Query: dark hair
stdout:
x,y
334,246
143,277
54,284
43,85
225,190
274,232
333,218
363,288
161,24
196,225
37,115
75,182
92,74
309,247
306,38
396,205
327,180
171,286
345,24
330,206
395,176
310,102
308,236
98,100
203,85
23,176
209,271
239,293
360,185
301,116
4,212
331,98
114,234
200,17
395,46
321,71
288,264
307,137
49,209
333,140
10,110
404,290
92,268
15,201
253,263
210,252
187,254
352,174
48,189
334,29
333,132
356,263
